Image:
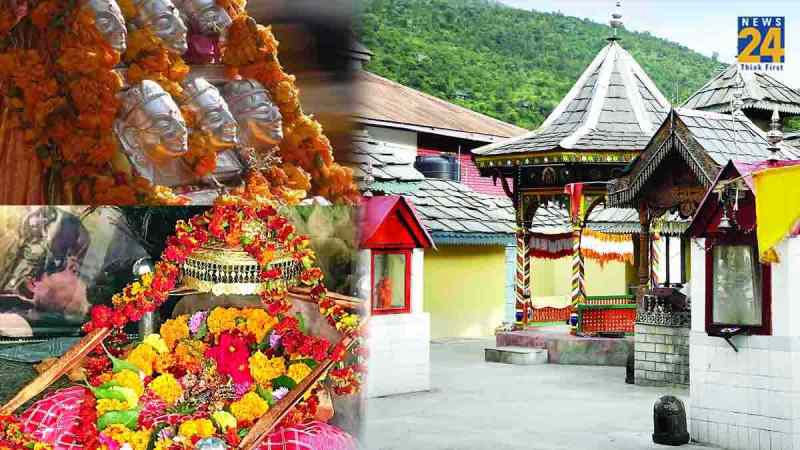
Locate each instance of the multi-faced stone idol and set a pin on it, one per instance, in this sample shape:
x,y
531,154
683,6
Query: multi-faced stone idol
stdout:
x,y
213,116
110,22
260,120
205,16
164,19
152,133
211,109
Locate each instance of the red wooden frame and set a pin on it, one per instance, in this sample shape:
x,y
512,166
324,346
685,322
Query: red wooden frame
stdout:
x,y
737,238
406,308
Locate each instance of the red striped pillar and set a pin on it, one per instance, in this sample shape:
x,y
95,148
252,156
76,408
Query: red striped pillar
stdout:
x,y
523,276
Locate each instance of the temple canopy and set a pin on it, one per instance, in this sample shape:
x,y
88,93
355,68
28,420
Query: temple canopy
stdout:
x,y
553,218
758,90
614,105
704,142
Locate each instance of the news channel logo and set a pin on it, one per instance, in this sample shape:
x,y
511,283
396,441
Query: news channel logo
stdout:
x,y
762,42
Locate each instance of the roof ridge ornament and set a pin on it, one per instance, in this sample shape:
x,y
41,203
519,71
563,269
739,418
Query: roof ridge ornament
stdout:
x,y
616,22
774,135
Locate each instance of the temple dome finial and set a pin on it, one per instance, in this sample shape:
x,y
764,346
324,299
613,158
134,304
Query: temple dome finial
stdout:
x,y
616,21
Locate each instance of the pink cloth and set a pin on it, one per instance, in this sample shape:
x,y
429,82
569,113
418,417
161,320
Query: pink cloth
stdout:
x,y
54,420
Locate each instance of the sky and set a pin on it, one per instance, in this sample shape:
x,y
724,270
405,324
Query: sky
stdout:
x,y
706,26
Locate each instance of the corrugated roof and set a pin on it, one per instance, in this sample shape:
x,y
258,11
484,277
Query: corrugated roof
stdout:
x,y
384,101
614,105
448,207
759,91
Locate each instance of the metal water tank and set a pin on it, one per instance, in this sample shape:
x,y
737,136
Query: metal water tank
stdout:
x,y
441,167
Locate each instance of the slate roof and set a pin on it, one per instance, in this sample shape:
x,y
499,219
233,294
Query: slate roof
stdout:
x,y
792,138
759,91
614,105
724,138
384,102
554,219
450,209
713,140
390,163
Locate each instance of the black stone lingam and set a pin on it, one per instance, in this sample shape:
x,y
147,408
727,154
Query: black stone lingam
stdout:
x,y
629,367
669,421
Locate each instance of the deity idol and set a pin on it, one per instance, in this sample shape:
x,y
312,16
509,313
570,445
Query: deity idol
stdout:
x,y
260,120
205,16
207,22
110,22
214,117
153,133
163,18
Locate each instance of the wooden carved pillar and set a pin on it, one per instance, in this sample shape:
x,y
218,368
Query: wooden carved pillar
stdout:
x,y
644,247
578,281
526,208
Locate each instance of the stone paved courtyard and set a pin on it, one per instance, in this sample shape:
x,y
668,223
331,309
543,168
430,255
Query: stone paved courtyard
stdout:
x,y
478,405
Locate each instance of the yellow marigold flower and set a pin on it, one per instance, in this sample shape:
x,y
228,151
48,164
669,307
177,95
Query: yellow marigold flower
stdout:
x,y
224,420
105,405
164,444
130,380
222,319
143,357
249,408
259,322
264,369
155,341
41,446
174,330
136,288
147,279
202,428
139,440
167,388
189,353
298,371
164,362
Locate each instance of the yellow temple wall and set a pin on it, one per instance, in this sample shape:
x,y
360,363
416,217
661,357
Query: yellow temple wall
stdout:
x,y
464,290
553,277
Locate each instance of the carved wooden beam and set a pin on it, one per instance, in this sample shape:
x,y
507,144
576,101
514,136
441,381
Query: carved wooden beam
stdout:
x,y
304,295
504,182
66,363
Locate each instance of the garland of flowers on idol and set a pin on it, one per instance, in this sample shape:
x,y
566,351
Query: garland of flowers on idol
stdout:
x,y
232,220
251,51
63,92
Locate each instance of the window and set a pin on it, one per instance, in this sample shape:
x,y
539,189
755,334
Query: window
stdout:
x,y
737,286
671,267
391,275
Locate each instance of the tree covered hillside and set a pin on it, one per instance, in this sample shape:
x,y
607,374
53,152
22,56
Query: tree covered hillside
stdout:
x,y
508,63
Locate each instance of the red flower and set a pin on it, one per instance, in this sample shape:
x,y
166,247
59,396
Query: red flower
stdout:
x,y
271,274
231,355
174,254
338,352
101,316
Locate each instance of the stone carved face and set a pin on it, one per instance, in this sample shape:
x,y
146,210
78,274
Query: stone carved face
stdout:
x,y
206,16
150,123
110,23
212,110
260,120
164,19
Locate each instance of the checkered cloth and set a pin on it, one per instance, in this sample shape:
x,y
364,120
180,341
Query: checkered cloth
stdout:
x,y
55,420
310,436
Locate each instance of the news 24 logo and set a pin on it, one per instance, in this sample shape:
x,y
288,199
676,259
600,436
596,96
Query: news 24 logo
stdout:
x,y
762,42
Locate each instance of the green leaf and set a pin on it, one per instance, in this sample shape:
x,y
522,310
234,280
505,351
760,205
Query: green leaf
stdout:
x,y
266,394
127,418
243,432
118,365
203,331
108,393
301,322
310,363
284,381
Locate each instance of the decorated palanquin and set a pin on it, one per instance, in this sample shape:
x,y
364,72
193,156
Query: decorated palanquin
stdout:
x,y
251,360
152,101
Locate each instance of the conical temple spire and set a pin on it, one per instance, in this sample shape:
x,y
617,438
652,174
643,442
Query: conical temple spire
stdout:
x,y
614,105
616,21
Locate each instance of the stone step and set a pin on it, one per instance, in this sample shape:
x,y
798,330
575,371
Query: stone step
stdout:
x,y
524,356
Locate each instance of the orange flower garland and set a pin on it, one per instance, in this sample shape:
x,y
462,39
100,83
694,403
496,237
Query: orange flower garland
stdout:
x,y
251,52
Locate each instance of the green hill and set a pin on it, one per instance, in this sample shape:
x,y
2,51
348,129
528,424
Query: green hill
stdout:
x,y
508,63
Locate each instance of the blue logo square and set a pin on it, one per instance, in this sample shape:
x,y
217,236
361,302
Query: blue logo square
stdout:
x,y
762,39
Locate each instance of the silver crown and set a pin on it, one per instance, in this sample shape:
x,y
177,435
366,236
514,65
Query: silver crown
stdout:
x,y
196,87
139,95
237,90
